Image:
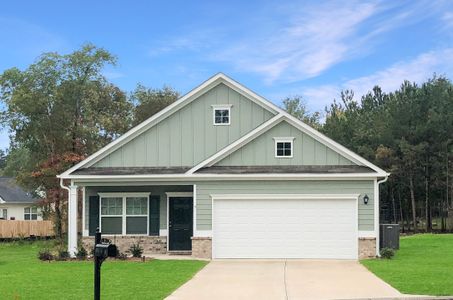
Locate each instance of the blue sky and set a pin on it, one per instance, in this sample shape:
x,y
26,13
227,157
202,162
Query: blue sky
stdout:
x,y
309,48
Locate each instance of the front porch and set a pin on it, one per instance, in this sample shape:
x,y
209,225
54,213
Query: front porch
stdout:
x,y
160,218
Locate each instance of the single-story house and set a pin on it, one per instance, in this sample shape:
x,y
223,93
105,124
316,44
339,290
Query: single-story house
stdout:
x,y
16,203
224,173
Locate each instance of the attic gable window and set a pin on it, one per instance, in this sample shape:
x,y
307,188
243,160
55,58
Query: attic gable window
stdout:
x,y
221,114
283,147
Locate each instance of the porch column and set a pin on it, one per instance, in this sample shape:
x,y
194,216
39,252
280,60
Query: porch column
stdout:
x,y
72,220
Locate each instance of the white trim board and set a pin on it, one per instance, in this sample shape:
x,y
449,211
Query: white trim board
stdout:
x,y
282,196
210,83
138,179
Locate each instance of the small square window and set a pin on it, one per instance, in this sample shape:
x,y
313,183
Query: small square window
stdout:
x,y
222,114
284,147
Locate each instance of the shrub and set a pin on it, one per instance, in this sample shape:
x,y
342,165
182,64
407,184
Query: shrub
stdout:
x,y
121,256
82,253
387,253
63,255
136,250
45,255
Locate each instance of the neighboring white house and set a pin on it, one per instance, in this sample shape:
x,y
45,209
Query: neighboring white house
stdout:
x,y
16,203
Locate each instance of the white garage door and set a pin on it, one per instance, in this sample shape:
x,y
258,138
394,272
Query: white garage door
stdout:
x,y
285,228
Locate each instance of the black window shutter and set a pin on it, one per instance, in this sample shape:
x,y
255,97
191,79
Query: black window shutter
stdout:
x,y
94,214
154,213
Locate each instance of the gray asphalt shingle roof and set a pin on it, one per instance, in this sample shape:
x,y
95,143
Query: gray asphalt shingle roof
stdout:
x,y
11,192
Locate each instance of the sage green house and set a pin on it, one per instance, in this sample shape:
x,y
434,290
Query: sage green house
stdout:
x,y
224,173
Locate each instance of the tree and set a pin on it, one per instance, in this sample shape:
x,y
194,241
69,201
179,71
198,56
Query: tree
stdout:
x,y
149,101
60,109
296,107
407,132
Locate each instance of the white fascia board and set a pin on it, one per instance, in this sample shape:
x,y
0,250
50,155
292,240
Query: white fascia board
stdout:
x,y
236,145
181,102
213,177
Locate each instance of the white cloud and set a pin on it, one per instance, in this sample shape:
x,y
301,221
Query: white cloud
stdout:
x,y
417,70
313,40
389,79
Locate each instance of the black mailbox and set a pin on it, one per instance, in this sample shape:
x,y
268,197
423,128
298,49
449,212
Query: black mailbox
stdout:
x,y
105,250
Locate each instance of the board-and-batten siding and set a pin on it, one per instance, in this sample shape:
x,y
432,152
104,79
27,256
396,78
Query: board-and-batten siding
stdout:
x,y
306,150
206,189
188,136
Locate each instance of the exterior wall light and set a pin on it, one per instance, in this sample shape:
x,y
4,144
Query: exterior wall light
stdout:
x,y
366,199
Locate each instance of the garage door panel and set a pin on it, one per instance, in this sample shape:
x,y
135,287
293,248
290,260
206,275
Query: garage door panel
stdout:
x,y
285,228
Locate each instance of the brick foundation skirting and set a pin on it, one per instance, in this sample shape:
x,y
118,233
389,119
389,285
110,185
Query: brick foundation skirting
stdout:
x,y
150,244
202,247
367,247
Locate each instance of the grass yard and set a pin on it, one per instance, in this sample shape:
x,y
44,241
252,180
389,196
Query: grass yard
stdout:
x,y
423,265
23,276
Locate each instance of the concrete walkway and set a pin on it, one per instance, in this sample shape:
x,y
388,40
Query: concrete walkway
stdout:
x,y
278,279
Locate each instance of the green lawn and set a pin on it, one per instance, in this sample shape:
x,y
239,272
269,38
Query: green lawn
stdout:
x,y
422,266
23,276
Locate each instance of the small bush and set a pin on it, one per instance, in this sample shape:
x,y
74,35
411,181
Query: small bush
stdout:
x,y
136,250
387,253
121,256
45,255
82,253
63,255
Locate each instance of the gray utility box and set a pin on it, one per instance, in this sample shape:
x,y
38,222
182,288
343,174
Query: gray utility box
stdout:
x,y
389,236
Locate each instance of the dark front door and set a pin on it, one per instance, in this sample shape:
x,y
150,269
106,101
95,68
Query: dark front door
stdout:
x,y
180,223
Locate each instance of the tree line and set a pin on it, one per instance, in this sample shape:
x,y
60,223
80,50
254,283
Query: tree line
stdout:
x,y
62,108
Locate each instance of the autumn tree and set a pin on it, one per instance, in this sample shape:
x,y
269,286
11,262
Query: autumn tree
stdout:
x,y
58,110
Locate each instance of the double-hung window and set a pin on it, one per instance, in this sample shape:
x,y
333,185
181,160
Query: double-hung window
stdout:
x,y
124,213
284,147
30,213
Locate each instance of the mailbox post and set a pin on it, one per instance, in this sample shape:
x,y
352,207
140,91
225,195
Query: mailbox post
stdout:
x,y
101,252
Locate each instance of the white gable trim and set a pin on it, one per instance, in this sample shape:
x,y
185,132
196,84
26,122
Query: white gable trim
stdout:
x,y
180,103
299,125
208,84
237,144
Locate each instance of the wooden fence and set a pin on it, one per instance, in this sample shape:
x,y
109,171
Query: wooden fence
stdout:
x,y
24,229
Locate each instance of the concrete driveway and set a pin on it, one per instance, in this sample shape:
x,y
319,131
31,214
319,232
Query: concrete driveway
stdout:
x,y
278,279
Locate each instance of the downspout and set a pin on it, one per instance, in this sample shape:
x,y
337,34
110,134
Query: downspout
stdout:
x,y
63,186
377,212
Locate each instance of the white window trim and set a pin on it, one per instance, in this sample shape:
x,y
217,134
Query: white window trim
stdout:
x,y
124,215
2,210
284,140
221,107
31,213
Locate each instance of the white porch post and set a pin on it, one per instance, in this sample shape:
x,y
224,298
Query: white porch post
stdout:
x,y
72,220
